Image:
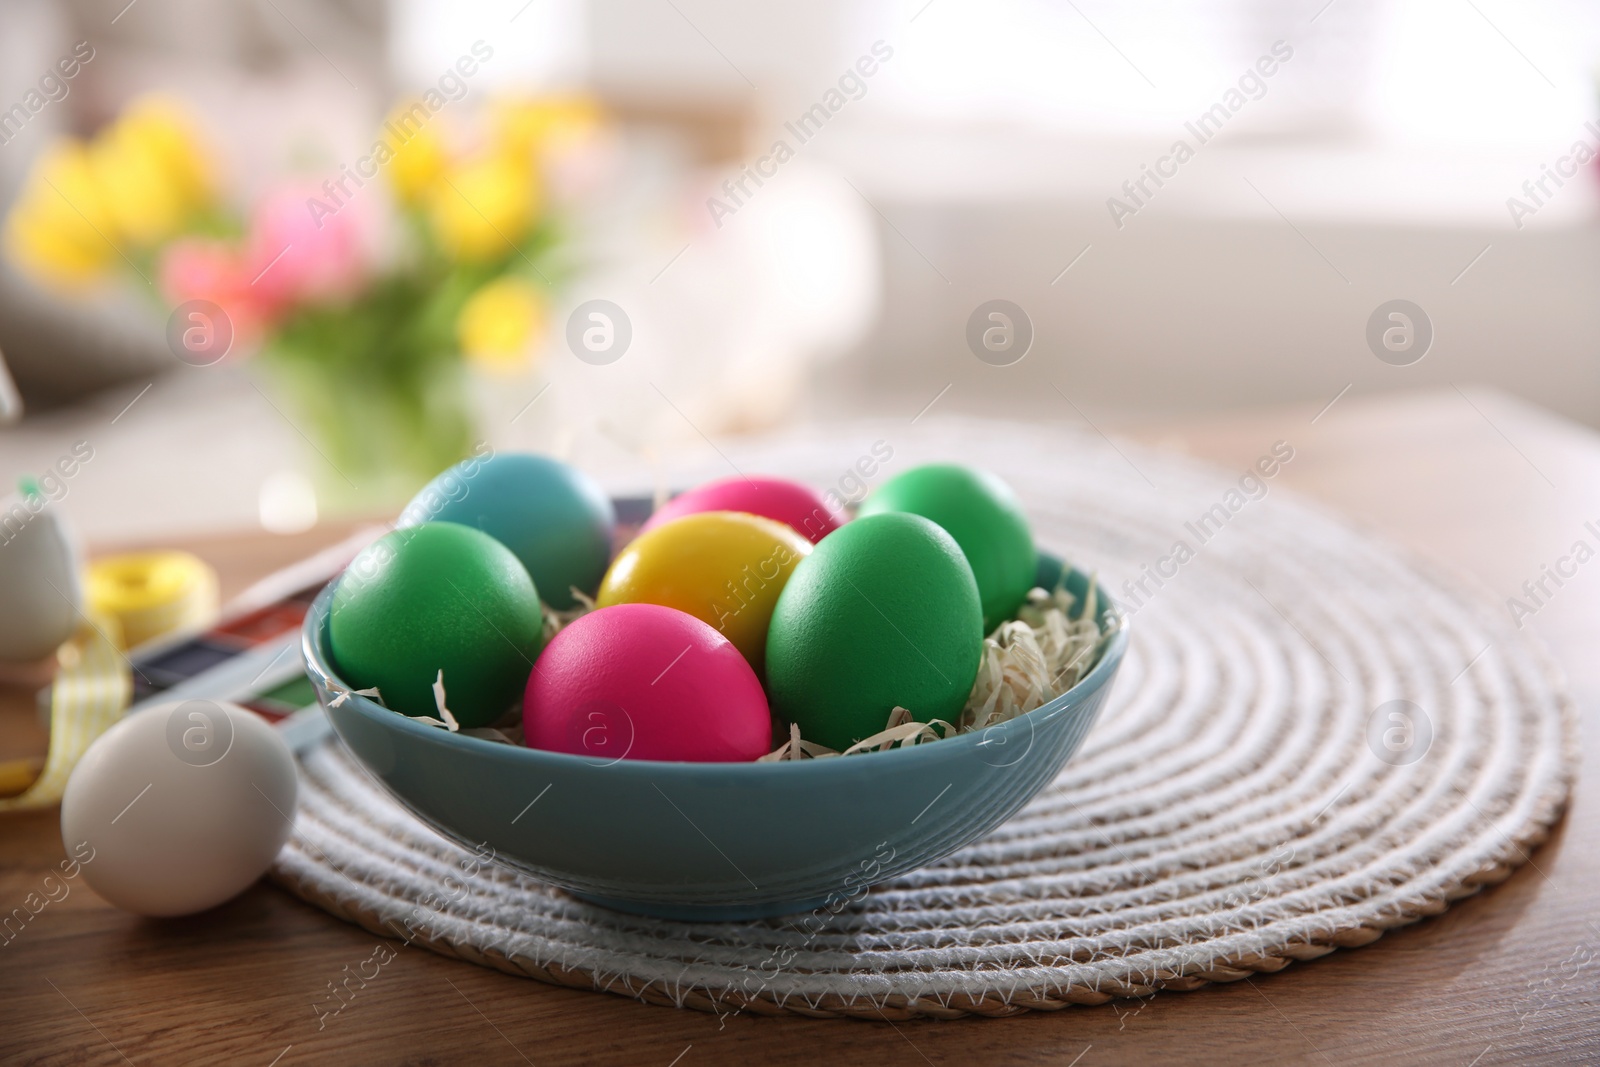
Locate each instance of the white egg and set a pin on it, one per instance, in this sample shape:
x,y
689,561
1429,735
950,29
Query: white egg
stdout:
x,y
39,583
180,807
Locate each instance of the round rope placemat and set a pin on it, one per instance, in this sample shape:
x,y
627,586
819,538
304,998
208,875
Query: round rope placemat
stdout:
x,y
1314,739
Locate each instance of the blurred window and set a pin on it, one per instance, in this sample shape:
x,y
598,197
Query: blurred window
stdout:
x,y
1472,72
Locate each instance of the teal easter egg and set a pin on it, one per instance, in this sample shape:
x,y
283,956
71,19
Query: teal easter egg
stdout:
x,y
983,515
883,613
431,598
555,518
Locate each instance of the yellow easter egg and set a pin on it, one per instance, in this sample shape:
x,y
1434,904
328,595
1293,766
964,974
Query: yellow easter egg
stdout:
x,y
725,568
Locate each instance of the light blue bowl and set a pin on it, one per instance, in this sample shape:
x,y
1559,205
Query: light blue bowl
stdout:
x,y
712,841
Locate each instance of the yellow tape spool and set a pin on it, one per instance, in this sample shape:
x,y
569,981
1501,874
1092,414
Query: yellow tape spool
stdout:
x,y
153,593
132,599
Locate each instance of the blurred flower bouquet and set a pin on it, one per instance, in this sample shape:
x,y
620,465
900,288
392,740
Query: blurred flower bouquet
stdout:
x,y
366,310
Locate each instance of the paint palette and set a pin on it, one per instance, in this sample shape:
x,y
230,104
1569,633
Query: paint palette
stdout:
x,y
256,649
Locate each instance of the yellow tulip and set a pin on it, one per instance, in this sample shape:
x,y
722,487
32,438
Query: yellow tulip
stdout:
x,y
499,322
165,126
483,208
59,229
143,202
527,127
418,155
153,172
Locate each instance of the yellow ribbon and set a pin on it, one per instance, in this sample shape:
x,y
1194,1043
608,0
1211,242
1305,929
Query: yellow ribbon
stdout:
x,y
132,599
91,691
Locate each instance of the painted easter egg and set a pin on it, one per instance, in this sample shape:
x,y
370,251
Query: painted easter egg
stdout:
x,y
797,506
555,518
884,613
642,681
39,585
431,598
725,568
983,515
179,807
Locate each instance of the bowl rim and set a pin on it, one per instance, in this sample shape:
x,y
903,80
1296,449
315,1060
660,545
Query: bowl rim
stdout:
x,y
320,667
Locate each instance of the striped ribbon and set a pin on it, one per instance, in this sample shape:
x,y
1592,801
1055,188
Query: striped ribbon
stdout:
x,y
91,691
132,599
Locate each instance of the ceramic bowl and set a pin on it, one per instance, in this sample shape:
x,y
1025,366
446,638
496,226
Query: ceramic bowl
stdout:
x,y
712,841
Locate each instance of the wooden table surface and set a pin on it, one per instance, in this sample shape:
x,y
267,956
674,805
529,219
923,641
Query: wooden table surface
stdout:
x,y
1476,480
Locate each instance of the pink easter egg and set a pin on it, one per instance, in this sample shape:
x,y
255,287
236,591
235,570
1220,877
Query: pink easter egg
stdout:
x,y
796,506
642,681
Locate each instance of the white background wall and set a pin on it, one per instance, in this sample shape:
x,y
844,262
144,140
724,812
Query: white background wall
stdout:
x,y
1377,166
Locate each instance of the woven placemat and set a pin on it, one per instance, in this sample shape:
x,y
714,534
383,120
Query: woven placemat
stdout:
x,y
1315,739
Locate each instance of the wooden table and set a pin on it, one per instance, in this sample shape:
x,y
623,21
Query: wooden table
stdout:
x,y
1477,480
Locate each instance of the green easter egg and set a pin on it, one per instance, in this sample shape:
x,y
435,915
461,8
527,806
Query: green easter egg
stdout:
x,y
439,596
883,613
983,515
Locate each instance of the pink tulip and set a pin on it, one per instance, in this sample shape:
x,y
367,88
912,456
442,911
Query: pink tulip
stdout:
x,y
194,268
295,256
